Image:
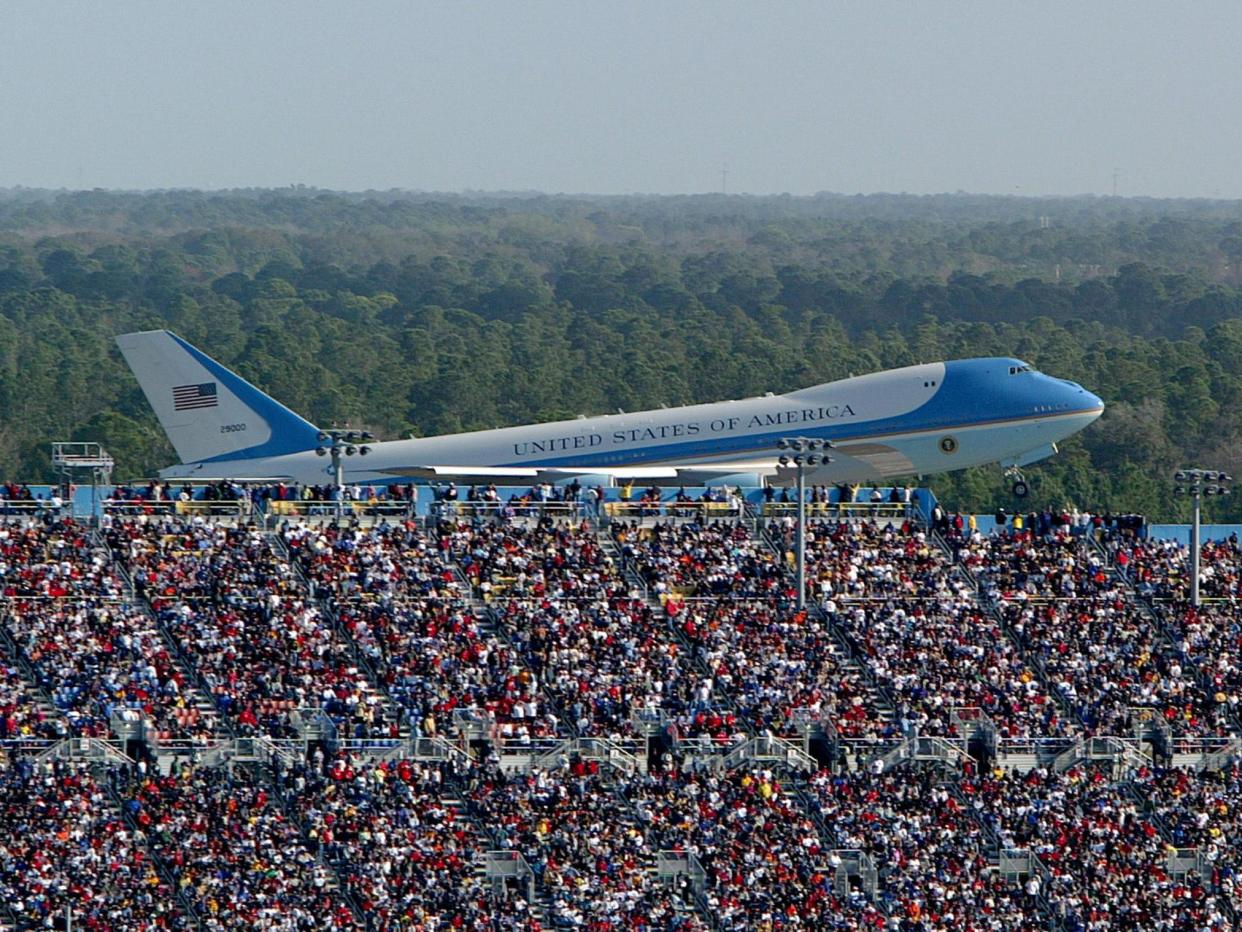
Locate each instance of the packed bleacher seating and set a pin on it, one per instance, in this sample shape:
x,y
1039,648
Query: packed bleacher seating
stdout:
x,y
604,662
53,561
264,664
21,714
535,626
171,558
938,656
774,662
1108,658
1160,569
1106,859
233,852
585,844
437,657
547,559
870,559
716,559
932,854
1016,564
385,563
244,616
767,864
67,854
402,842
97,659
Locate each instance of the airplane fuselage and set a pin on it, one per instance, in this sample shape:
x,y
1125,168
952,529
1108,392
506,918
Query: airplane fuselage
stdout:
x,y
918,420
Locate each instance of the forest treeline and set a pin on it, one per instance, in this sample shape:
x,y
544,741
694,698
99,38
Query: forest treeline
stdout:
x,y
418,314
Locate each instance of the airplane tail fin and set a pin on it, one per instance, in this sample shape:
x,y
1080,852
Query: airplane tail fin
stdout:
x,y
209,413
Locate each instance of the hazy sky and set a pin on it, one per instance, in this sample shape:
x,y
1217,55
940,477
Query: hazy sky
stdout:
x,y
612,97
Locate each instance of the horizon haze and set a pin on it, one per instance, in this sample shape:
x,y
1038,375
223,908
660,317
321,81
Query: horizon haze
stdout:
x,y
1053,99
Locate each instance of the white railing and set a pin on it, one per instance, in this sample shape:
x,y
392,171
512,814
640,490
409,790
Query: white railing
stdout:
x,y
769,749
227,508
87,749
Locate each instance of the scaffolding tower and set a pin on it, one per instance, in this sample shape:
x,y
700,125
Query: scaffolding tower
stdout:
x,y
72,458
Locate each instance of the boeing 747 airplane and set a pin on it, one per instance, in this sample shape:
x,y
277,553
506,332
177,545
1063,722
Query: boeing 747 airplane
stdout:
x,y
915,421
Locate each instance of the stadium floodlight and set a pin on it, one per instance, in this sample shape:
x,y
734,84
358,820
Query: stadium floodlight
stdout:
x,y
322,436
350,450
1197,484
805,450
367,435
363,451
321,451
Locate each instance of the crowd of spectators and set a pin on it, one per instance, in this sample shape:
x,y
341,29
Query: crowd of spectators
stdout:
x,y
933,857
388,562
100,659
55,561
162,497
700,559
1111,663
436,657
589,853
545,559
767,864
246,620
609,662
935,656
399,838
67,856
776,663
172,559
870,559
531,624
22,716
240,861
1107,860
1012,564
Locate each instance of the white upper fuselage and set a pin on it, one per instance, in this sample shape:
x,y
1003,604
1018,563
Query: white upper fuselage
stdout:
x,y
918,420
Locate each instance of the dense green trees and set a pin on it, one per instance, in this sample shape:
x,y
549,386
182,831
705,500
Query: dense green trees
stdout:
x,y
420,314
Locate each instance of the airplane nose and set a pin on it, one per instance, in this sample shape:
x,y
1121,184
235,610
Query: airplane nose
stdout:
x,y
1089,400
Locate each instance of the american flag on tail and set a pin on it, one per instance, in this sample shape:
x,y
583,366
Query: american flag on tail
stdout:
x,y
203,395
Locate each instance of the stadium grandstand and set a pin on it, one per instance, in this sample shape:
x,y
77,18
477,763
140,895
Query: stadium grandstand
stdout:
x,y
273,707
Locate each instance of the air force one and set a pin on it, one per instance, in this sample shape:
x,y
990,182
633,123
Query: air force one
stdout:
x,y
915,421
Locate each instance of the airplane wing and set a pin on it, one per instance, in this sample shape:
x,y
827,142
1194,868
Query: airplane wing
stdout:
x,y
697,474
866,461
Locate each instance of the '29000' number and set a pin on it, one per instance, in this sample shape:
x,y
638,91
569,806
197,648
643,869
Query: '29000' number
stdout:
x,y
232,428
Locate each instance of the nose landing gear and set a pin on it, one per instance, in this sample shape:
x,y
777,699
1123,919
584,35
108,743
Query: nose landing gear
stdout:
x,y
1019,488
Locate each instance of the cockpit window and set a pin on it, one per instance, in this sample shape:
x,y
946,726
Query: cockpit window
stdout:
x,y
1017,370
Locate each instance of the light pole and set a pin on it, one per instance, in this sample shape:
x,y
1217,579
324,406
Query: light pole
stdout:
x,y
803,452
1196,483
339,444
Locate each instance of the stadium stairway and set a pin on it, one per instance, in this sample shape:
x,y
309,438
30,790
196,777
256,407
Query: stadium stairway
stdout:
x,y
848,654
721,698
988,607
1156,616
202,708
515,904
15,656
391,710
